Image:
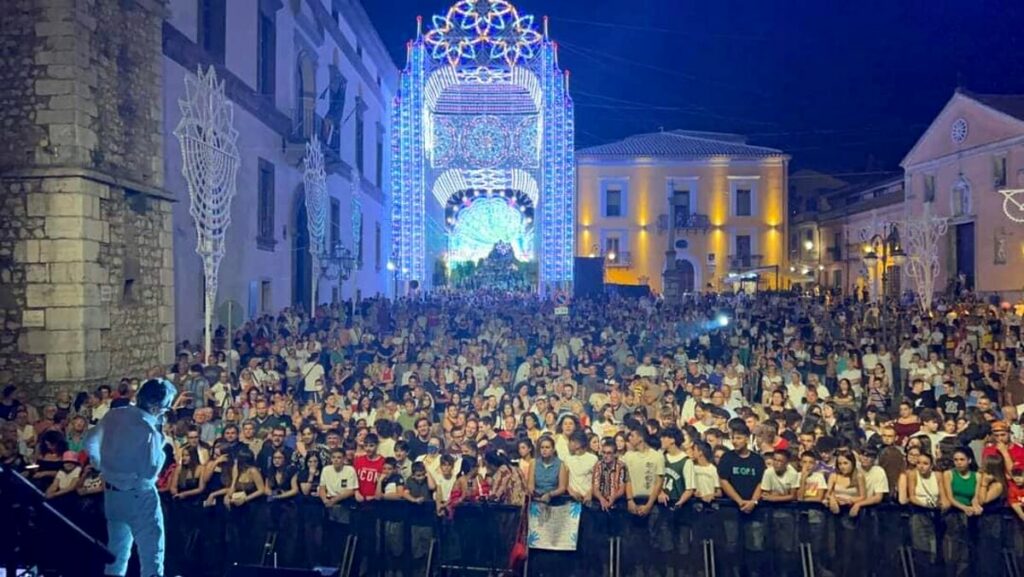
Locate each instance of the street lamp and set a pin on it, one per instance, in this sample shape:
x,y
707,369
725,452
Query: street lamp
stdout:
x,y
337,263
885,249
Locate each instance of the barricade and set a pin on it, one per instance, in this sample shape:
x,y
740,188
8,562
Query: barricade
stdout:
x,y
397,538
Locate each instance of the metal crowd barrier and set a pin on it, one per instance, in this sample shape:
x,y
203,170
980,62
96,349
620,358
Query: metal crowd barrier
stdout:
x,y
400,539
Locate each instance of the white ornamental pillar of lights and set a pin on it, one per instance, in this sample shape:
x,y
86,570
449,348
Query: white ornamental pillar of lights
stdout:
x,y
921,235
314,180
210,165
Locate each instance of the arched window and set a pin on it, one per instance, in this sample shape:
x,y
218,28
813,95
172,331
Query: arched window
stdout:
x,y
961,197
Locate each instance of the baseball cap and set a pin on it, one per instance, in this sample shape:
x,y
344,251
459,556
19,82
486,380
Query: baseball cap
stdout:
x,y
1000,427
70,457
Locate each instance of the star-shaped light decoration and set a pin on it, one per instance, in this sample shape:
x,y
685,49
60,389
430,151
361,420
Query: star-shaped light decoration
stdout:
x,y
1013,208
474,31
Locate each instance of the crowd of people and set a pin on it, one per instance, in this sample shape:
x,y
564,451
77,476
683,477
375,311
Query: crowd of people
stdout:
x,y
633,404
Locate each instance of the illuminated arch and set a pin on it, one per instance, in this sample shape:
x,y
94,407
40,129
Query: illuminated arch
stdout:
x,y
483,107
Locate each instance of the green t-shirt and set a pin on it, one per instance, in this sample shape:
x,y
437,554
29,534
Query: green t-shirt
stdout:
x,y
678,476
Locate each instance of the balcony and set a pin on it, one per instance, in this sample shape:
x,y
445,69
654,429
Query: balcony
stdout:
x,y
742,262
618,259
306,122
693,222
685,222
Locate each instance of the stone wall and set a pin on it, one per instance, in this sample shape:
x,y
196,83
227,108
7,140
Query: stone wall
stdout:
x,y
86,279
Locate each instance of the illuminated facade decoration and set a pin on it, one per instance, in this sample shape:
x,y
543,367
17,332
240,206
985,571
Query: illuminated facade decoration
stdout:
x,y
483,145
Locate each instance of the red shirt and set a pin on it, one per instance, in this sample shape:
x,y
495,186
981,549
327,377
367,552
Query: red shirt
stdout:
x,y
1014,494
1016,453
368,472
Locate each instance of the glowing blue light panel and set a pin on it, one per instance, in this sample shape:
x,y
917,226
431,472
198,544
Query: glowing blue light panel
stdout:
x,y
485,223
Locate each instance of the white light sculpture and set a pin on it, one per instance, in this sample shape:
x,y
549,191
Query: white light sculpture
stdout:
x,y
1012,207
209,164
920,237
314,179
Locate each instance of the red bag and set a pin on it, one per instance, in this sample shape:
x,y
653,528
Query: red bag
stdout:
x,y
517,557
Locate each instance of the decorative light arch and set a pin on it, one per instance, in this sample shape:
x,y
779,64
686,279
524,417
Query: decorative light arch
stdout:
x,y
443,137
453,132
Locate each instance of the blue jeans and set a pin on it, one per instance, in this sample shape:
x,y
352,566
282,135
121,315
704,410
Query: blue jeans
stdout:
x,y
135,516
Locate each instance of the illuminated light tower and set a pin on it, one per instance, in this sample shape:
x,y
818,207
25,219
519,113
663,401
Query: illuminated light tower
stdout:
x,y
483,112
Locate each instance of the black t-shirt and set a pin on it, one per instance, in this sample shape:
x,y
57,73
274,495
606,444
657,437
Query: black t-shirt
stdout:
x,y
744,473
951,406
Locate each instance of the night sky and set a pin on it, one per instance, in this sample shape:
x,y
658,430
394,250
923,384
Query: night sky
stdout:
x,y
842,86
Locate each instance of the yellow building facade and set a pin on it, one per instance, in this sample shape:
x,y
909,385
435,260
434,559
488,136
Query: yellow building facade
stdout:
x,y
684,212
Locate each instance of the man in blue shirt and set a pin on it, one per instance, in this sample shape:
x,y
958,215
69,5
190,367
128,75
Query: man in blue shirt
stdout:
x,y
127,447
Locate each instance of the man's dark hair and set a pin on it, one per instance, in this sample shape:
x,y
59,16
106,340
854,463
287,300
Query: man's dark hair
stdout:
x,y
739,428
673,432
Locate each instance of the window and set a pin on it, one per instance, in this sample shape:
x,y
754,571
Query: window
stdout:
x,y
265,207
376,246
266,55
743,250
613,202
611,246
929,188
680,207
837,279
744,205
335,223
212,26
380,156
743,245
266,304
360,134
999,171
358,243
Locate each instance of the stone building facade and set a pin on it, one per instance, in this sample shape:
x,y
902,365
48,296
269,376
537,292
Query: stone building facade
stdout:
x,y
86,246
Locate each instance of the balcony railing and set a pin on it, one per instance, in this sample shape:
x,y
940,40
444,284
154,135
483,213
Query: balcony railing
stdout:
x,y
698,222
739,262
618,259
306,122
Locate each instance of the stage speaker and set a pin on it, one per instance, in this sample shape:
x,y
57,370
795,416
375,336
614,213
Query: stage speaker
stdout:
x,y
256,571
588,277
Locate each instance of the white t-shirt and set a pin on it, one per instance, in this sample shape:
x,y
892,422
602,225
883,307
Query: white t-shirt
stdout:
x,y
816,485
313,371
644,469
705,479
581,469
875,481
334,481
67,480
772,482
